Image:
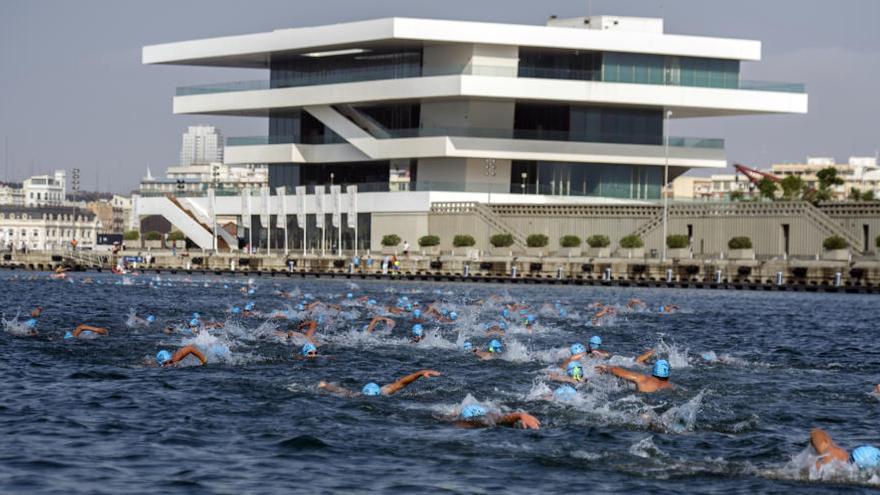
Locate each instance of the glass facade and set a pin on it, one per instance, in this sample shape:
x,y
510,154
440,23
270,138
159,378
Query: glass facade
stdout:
x,y
302,70
298,126
586,179
588,124
313,234
678,71
369,176
545,63
403,116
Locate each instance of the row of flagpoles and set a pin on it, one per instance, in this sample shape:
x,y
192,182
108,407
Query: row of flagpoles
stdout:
x,y
298,209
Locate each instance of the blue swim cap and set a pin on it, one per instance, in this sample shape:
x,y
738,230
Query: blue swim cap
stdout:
x,y
308,347
371,389
68,335
349,295
565,393
467,346
249,306
661,369
502,325
709,356
662,309
577,348
251,292
453,315
194,322
236,310
300,307
530,319
196,315
417,330
151,318
444,311
575,370
409,307
417,313
31,323
495,346
371,302
472,411
595,342
404,298
163,357
505,313
866,456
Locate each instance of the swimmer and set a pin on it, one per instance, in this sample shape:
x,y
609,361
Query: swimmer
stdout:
x,y
608,311
574,374
37,312
85,328
877,389
389,324
418,333
475,416
865,457
659,379
492,350
165,358
373,389
309,350
496,329
636,304
668,309
135,320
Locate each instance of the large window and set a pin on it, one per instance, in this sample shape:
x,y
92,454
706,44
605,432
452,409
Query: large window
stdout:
x,y
369,176
586,179
681,71
301,70
315,238
589,124
560,64
298,126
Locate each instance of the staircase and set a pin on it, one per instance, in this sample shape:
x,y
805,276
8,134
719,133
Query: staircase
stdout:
x,y
829,226
185,221
202,217
485,213
364,121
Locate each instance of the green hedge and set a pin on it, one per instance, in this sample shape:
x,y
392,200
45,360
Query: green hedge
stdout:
x,y
677,241
390,240
501,240
835,242
131,235
153,236
632,241
463,240
429,241
176,236
537,241
570,241
598,241
739,243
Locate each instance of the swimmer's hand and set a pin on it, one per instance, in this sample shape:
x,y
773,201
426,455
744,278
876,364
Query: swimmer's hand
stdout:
x,y
601,368
429,373
529,422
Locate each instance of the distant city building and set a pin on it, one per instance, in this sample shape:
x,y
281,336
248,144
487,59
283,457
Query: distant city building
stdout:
x,y
39,190
47,227
716,186
10,194
859,172
114,214
200,177
201,144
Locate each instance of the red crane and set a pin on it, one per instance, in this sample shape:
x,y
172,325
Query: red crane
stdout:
x,y
753,175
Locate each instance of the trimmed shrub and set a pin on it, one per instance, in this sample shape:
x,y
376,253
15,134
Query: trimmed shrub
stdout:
x,y
677,241
429,241
176,236
632,241
133,235
501,240
153,236
539,241
569,241
598,241
463,241
739,243
390,240
835,242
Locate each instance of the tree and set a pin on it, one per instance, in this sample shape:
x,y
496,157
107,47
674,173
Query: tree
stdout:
x,y
767,188
827,180
792,187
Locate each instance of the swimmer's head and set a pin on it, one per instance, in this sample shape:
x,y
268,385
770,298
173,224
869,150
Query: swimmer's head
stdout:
x,y
453,315
251,292
709,356
575,370
194,322
444,312
565,393
371,302
163,357
151,318
249,306
418,331
371,389
236,310
595,342
473,411
31,323
495,346
505,313
349,296
661,369
409,307
300,307
68,335
417,313
577,348
502,325
196,316
467,346
866,457
309,350
530,319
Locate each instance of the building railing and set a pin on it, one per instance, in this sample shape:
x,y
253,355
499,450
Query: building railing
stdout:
x,y
530,134
405,72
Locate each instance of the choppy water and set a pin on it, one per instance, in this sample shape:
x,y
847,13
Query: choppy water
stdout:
x,y
88,416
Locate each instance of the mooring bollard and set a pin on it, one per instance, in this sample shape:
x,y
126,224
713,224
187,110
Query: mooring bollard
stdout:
x,y
232,265
837,279
607,274
467,270
350,268
669,275
290,266
778,278
189,265
558,273
513,271
717,276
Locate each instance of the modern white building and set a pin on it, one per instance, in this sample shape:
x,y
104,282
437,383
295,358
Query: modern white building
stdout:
x,y
201,144
415,112
39,190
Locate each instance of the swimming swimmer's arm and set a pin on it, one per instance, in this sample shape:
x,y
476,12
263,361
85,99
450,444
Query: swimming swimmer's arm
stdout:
x,y
826,448
621,373
380,319
483,354
645,356
495,330
336,389
312,325
88,328
526,420
399,385
576,357
183,352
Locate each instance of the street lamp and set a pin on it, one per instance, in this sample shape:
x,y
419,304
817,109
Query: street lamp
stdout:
x,y
666,116
523,186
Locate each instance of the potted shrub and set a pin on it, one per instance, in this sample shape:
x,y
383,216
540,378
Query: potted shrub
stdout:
x,y
389,244
430,244
463,245
836,249
501,244
130,235
599,246
570,246
632,246
677,246
152,239
175,237
537,244
740,248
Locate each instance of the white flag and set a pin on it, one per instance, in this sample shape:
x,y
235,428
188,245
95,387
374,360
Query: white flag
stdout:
x,y
319,207
301,206
246,208
281,222
135,214
264,207
352,192
335,206
210,207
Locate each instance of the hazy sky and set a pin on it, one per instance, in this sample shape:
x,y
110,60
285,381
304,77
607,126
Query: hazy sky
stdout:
x,y
73,92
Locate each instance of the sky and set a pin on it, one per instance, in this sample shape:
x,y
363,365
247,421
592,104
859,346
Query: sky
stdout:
x,y
74,94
